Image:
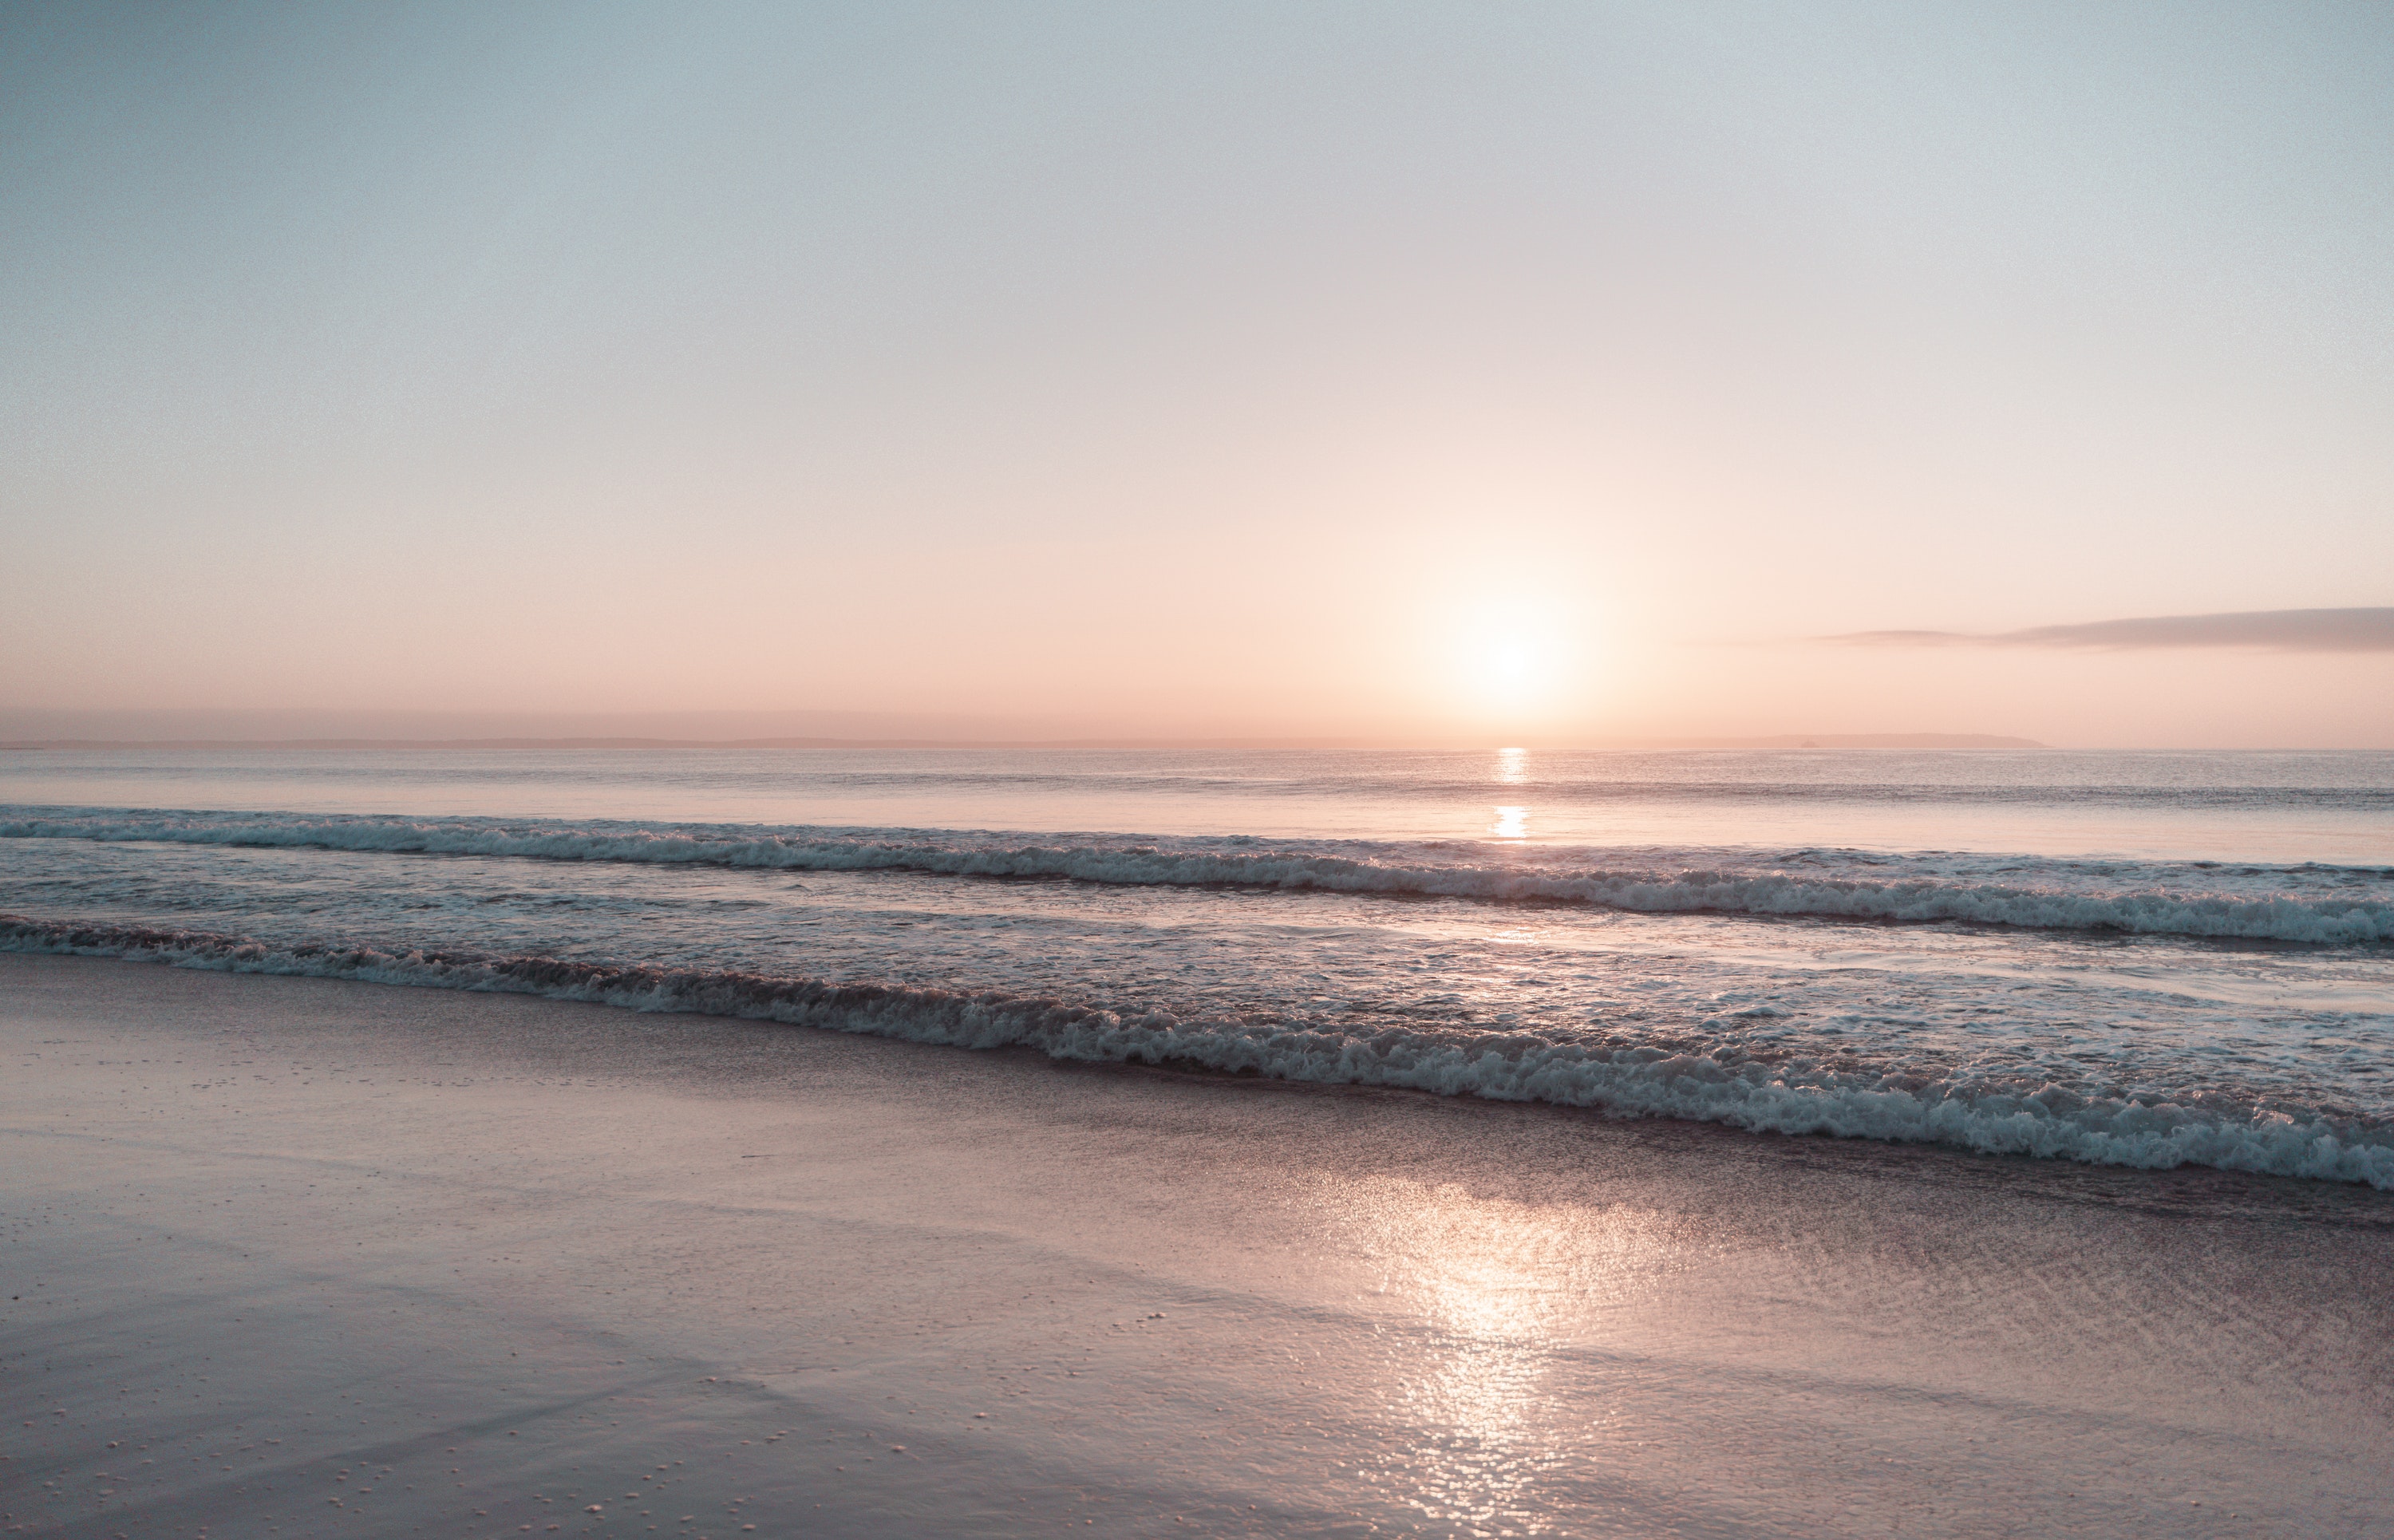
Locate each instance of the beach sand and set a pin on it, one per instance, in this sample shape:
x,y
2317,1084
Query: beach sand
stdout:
x,y
301,1258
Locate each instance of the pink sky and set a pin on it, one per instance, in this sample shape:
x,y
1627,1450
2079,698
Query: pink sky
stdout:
x,y
1549,374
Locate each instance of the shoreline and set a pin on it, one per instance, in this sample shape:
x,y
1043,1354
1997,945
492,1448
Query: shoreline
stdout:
x,y
590,1253
1751,1097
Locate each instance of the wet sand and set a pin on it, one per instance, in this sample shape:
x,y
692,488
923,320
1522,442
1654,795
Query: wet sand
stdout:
x,y
301,1258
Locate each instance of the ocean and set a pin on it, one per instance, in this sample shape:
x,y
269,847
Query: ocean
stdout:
x,y
2134,959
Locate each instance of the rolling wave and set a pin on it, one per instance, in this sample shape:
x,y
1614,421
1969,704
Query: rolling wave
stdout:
x,y
2318,905
1789,1095
1299,782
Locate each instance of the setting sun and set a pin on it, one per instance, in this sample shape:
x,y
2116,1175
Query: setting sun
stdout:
x,y
1513,663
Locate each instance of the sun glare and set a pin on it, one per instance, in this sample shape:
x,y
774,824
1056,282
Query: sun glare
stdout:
x,y
1514,658
1509,669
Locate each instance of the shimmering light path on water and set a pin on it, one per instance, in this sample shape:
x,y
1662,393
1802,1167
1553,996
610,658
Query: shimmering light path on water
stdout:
x,y
2257,805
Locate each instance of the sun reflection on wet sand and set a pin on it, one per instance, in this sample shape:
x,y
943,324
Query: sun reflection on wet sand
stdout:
x,y
1493,1290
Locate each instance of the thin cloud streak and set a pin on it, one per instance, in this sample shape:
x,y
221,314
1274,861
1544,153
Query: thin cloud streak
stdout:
x,y
2368,630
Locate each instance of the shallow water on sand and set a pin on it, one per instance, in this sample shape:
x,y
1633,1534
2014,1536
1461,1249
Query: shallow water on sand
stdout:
x,y
367,1261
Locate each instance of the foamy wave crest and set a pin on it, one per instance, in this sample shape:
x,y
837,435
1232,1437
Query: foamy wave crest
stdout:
x,y
1788,1097
2317,904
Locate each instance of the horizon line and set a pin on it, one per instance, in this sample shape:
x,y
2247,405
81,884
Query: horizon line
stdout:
x,y
1777,741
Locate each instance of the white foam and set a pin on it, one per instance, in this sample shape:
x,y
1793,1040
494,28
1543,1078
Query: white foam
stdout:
x,y
2313,905
1791,1097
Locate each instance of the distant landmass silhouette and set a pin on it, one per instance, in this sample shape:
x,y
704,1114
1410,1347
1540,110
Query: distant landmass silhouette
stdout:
x,y
1783,741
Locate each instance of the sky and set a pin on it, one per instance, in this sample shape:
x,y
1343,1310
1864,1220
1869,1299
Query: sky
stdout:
x,y
1471,373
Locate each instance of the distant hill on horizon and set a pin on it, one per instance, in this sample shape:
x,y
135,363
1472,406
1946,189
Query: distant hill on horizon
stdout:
x,y
1783,741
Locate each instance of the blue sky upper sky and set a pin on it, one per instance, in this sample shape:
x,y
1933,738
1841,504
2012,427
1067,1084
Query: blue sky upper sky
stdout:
x,y
1525,369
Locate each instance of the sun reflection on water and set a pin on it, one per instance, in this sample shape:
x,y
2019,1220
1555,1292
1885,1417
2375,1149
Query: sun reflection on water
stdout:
x,y
1497,1290
1512,770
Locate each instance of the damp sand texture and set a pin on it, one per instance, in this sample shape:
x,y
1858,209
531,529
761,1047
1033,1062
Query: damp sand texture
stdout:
x,y
308,1257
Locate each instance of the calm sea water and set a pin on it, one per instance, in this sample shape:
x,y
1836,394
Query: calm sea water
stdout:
x,y
2146,959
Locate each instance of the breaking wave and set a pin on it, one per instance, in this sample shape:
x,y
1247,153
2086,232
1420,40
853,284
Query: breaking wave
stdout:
x,y
2319,904
1725,1085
